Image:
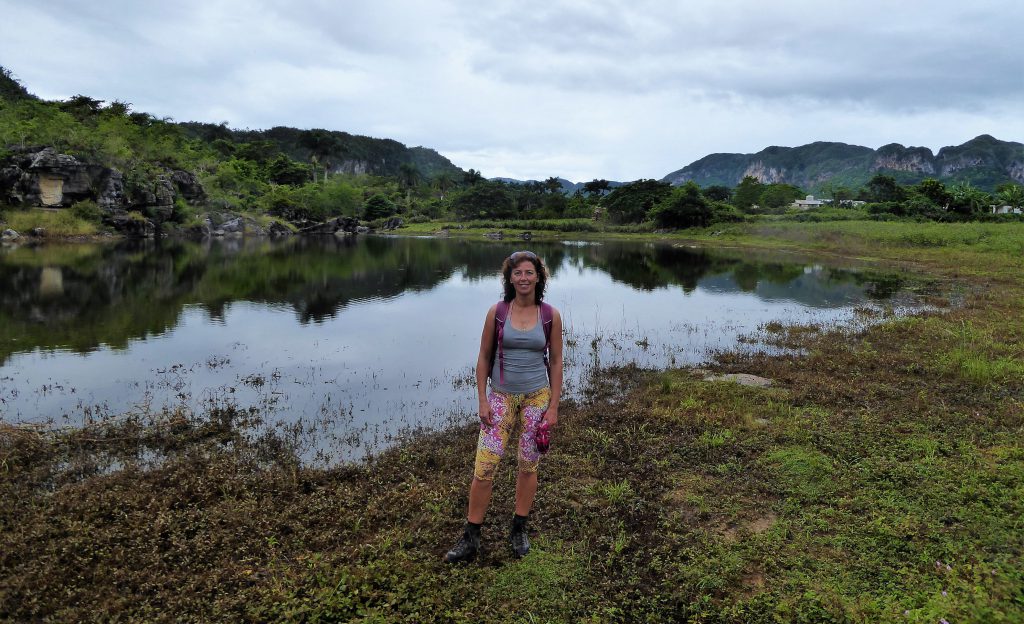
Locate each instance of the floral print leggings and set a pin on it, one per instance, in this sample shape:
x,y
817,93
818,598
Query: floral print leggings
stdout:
x,y
494,438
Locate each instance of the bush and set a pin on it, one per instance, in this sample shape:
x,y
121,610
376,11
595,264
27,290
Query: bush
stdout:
x,y
378,207
685,207
86,210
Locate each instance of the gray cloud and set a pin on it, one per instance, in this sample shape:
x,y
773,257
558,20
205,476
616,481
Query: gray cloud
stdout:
x,y
575,88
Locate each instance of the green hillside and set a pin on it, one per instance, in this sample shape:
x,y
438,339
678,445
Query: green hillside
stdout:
x,y
985,162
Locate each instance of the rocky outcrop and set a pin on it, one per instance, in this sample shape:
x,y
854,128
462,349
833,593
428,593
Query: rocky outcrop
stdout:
x,y
895,157
9,236
765,174
130,224
984,161
338,225
188,186
42,176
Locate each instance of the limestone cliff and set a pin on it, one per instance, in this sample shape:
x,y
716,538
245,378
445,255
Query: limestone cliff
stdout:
x,y
983,161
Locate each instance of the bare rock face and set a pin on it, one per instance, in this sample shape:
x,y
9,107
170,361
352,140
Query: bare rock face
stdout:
x,y
188,186
765,174
1016,171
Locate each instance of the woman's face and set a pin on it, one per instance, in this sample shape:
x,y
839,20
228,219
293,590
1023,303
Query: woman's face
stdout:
x,y
524,277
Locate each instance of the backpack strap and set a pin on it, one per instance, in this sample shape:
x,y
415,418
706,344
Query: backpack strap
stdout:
x,y
547,317
500,314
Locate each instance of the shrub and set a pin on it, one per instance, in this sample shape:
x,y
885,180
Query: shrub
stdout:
x,y
378,207
86,210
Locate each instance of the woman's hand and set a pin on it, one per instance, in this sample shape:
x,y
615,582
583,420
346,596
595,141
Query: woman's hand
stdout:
x,y
486,416
550,415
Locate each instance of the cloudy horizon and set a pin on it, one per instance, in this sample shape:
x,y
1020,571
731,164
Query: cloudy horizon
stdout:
x,y
579,90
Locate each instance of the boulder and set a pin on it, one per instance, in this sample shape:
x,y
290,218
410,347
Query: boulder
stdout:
x,y
188,186
9,236
393,223
495,235
278,229
343,225
526,236
232,226
743,379
130,224
38,232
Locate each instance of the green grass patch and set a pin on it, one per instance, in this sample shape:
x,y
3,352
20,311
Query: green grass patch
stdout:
x,y
60,223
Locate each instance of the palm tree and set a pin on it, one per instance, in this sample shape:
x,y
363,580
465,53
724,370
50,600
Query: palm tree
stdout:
x,y
408,176
967,199
472,177
444,182
1012,195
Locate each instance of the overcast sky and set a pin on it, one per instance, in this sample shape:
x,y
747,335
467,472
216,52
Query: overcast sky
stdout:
x,y
577,89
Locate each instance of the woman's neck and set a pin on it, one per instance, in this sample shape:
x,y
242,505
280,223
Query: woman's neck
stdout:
x,y
523,301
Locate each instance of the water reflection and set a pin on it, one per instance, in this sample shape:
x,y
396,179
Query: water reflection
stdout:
x,y
369,327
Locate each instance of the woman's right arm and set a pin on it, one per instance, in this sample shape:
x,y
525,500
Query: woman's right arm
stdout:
x,y
483,366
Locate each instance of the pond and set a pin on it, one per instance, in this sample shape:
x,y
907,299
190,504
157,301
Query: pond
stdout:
x,y
354,341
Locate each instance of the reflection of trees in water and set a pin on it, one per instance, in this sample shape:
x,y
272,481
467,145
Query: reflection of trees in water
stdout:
x,y
82,296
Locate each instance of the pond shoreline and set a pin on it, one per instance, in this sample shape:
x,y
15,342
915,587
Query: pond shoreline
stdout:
x,y
875,479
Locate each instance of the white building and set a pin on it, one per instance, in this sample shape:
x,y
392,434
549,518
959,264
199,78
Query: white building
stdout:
x,y
810,202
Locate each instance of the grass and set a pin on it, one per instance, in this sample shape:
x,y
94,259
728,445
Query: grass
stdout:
x,y
61,223
879,478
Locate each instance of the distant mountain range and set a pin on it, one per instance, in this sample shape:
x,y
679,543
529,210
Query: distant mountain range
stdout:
x,y
568,187
984,161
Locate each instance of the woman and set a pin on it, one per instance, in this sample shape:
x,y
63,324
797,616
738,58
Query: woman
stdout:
x,y
524,388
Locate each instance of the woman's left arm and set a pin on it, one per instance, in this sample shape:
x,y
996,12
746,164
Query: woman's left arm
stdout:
x,y
555,364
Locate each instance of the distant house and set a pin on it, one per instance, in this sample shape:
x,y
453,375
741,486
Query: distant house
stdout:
x,y
1005,210
810,202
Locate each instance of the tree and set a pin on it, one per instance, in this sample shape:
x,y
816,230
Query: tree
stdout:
x,y
596,187
967,200
444,182
408,176
284,170
934,191
320,144
717,192
552,185
81,106
883,188
747,193
631,202
776,197
1011,195
378,207
472,177
684,207
838,193
484,200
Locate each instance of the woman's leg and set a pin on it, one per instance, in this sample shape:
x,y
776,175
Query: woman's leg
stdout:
x,y
480,498
489,451
526,491
531,412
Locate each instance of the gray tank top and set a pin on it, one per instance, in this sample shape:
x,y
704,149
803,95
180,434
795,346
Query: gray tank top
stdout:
x,y
524,359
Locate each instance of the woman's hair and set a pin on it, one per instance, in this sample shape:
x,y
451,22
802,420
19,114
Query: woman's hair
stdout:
x,y
511,262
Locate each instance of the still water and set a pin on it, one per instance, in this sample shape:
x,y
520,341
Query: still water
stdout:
x,y
357,340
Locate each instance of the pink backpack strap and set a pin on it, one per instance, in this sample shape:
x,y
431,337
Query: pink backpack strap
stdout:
x,y
500,313
547,317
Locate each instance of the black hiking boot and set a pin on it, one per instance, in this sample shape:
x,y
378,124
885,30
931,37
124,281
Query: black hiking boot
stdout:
x,y
467,547
520,542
